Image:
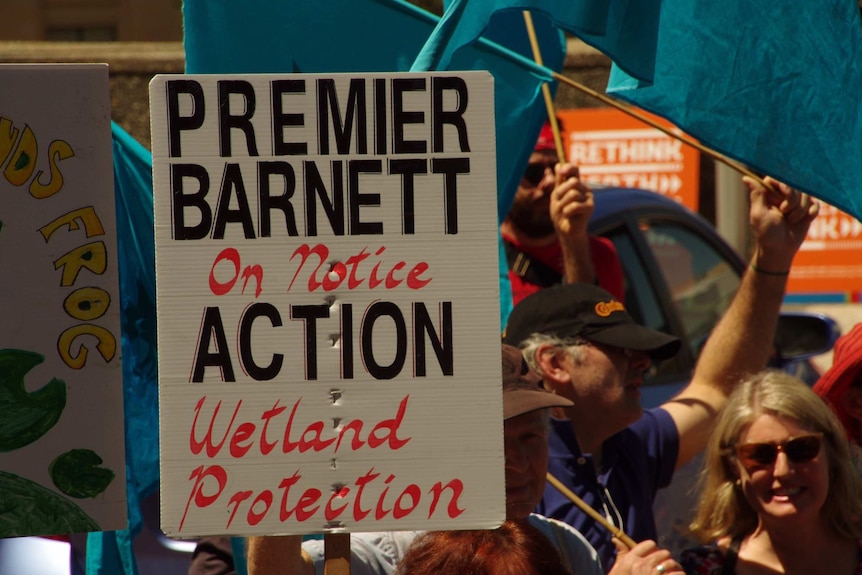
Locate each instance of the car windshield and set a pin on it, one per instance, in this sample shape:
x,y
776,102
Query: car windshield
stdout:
x,y
701,282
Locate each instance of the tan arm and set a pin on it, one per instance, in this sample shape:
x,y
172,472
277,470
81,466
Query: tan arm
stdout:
x,y
277,555
571,206
742,341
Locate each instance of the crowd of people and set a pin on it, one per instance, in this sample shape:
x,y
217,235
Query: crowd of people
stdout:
x,y
780,487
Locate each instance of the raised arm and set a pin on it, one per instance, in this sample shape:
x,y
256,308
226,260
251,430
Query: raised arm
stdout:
x,y
742,341
277,555
571,206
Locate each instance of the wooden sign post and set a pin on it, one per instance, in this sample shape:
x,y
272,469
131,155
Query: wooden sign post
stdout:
x,y
337,549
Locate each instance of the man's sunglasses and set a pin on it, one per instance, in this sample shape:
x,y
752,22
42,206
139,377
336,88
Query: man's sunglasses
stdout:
x,y
535,172
798,450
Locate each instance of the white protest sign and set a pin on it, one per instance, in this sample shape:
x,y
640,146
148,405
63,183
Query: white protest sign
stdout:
x,y
328,303
62,463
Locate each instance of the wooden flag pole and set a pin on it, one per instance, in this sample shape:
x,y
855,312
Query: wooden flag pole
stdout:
x,y
614,530
546,90
336,554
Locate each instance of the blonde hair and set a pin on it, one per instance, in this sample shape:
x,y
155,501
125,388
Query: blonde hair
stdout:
x,y
723,509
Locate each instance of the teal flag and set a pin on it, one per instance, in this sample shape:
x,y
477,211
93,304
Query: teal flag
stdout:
x,y
625,30
776,87
508,28
315,36
110,552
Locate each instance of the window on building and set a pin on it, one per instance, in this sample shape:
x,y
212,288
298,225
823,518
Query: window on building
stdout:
x,y
82,34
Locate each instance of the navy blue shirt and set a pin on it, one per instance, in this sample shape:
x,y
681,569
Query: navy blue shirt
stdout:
x,y
636,463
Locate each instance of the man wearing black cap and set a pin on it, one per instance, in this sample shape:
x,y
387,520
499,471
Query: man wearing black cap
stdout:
x,y
586,347
526,405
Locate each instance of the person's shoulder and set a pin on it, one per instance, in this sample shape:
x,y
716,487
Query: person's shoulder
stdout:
x,y
601,244
574,548
653,418
371,553
549,525
701,560
212,556
391,544
654,438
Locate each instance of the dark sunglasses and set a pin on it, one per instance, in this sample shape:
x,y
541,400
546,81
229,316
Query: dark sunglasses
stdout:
x,y
536,171
798,450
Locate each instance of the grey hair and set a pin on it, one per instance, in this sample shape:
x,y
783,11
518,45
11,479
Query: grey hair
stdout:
x,y
570,345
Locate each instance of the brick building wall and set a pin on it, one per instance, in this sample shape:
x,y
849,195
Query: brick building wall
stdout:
x,y
91,20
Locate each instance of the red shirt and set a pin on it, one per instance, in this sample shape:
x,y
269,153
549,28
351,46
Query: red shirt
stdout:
x,y
606,263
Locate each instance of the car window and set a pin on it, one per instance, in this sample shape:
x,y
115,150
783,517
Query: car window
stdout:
x,y
701,281
641,300
644,304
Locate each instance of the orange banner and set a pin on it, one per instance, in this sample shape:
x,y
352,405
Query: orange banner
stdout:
x,y
828,267
615,149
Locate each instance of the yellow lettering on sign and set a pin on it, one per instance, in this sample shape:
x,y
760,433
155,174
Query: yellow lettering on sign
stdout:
x,y
87,303
107,346
88,216
8,135
23,162
57,152
92,256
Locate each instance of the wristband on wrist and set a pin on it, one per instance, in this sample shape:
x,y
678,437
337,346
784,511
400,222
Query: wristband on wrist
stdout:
x,y
768,272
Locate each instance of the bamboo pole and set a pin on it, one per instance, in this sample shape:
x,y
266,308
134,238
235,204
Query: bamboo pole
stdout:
x,y
613,529
546,90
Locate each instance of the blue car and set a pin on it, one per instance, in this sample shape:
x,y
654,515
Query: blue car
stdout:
x,y
680,277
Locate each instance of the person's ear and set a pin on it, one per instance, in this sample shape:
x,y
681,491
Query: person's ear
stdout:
x,y
551,361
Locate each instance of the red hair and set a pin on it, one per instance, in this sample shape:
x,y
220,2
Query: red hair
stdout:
x,y
515,548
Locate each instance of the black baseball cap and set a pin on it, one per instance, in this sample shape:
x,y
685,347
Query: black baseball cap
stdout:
x,y
587,311
523,391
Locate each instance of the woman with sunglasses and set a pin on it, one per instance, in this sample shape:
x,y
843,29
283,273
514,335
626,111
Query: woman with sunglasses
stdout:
x,y
778,490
